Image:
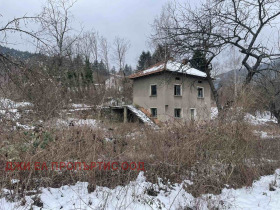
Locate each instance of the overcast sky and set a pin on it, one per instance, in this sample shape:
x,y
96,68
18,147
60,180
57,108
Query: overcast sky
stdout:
x,y
130,19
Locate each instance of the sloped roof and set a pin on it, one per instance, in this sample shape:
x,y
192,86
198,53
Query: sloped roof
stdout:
x,y
171,66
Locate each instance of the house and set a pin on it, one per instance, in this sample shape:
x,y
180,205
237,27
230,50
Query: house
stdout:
x,y
171,90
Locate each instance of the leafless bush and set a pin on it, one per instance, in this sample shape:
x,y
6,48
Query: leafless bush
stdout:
x,y
209,154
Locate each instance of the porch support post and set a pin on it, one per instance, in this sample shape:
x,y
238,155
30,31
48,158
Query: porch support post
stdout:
x,y
125,114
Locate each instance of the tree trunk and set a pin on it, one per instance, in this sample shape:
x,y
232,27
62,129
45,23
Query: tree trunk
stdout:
x,y
275,112
249,78
214,92
277,116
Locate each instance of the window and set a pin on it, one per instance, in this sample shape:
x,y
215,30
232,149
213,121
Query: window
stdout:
x,y
153,112
193,114
200,92
177,90
166,108
177,78
177,113
153,90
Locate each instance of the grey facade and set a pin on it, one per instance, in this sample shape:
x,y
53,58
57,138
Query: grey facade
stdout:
x,y
192,103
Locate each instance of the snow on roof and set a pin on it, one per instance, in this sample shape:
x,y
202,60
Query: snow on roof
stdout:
x,y
142,116
170,66
186,69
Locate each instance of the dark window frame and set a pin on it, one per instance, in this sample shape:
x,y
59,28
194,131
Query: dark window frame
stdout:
x,y
151,90
178,114
192,117
198,92
175,90
153,114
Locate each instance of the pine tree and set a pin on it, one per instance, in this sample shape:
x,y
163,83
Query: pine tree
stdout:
x,y
127,70
75,71
102,68
144,60
199,60
88,72
95,66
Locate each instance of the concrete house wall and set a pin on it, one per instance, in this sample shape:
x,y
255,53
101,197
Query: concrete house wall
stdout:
x,y
166,102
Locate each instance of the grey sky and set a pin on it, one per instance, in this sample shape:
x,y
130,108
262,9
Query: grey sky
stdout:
x,y
131,19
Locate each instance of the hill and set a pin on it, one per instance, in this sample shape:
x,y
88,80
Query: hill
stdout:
x,y
15,53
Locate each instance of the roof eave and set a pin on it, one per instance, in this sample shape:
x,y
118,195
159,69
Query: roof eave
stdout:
x,y
166,70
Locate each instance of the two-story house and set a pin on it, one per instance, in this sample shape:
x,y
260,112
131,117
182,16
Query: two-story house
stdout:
x,y
171,90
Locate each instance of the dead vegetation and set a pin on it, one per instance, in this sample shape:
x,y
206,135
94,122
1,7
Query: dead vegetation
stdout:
x,y
211,155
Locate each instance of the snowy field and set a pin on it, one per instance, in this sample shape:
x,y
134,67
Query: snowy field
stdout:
x,y
264,194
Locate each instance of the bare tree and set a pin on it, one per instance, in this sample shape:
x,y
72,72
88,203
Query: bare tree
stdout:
x,y
268,87
121,47
82,46
17,25
13,68
105,51
55,22
242,24
87,45
218,24
187,30
94,44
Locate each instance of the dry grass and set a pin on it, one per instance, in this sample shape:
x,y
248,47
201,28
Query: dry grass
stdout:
x,y
210,154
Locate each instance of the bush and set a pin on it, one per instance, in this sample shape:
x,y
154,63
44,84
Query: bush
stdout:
x,y
209,154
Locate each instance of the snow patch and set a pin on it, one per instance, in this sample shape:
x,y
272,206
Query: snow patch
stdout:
x,y
214,112
265,135
77,122
9,104
260,118
257,119
80,106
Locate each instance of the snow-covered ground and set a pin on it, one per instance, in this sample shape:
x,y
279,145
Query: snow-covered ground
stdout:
x,y
257,119
214,112
9,104
265,135
76,122
260,118
9,110
79,107
264,194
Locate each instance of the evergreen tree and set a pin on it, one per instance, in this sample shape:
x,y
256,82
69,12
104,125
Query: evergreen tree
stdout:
x,y
102,68
199,60
95,66
75,71
127,70
145,60
88,72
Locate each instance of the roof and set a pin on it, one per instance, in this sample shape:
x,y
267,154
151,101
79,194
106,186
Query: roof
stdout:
x,y
170,66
